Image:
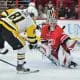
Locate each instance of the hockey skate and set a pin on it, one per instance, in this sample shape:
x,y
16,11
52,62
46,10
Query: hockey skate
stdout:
x,y
21,69
72,65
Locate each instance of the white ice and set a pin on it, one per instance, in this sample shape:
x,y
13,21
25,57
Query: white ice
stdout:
x,y
35,60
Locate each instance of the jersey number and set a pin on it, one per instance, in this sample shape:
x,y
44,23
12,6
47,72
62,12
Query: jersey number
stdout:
x,y
16,17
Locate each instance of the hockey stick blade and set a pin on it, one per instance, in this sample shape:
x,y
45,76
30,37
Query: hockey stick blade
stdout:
x,y
28,72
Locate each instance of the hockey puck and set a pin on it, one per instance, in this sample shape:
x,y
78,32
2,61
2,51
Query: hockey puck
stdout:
x,y
28,69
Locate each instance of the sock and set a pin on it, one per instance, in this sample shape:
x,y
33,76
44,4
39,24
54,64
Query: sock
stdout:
x,y
20,58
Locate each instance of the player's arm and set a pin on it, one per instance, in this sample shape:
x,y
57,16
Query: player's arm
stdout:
x,y
30,34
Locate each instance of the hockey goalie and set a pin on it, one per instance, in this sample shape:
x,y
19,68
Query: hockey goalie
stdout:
x,y
52,37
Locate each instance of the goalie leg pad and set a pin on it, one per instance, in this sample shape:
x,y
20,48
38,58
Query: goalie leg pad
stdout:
x,y
53,60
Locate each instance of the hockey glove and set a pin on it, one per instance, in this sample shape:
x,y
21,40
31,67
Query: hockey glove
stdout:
x,y
32,45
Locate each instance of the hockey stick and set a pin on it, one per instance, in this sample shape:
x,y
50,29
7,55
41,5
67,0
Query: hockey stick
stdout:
x,y
33,71
7,63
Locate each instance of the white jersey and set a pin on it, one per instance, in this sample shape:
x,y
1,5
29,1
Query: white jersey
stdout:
x,y
20,18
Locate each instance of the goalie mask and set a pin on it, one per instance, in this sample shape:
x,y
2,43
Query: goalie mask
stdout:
x,y
51,19
52,22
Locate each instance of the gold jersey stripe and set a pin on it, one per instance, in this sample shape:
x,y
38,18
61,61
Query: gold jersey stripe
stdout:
x,y
15,33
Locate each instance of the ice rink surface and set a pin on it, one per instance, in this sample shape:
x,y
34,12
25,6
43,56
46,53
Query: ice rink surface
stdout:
x,y
35,60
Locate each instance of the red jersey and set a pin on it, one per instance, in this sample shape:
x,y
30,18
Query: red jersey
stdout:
x,y
57,36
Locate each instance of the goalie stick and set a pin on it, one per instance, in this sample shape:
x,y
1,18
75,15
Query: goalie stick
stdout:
x,y
31,71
